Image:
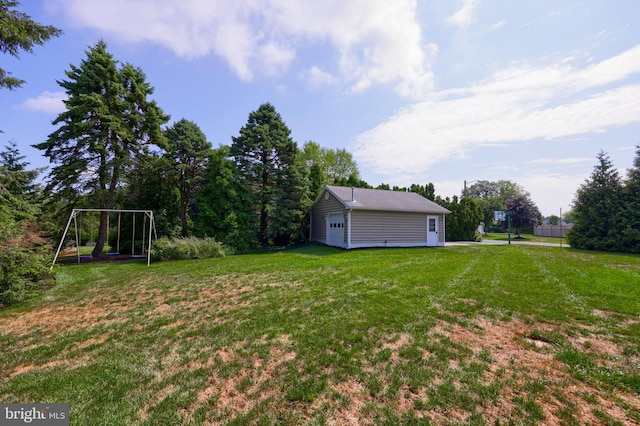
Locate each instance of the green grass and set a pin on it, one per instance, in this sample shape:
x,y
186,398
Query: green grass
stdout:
x,y
314,335
497,236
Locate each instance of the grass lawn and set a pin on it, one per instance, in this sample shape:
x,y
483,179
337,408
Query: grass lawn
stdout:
x,y
314,335
497,236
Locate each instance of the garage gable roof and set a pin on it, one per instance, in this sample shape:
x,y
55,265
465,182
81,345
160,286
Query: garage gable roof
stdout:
x,y
383,200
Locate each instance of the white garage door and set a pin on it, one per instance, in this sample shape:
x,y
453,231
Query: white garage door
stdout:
x,y
335,230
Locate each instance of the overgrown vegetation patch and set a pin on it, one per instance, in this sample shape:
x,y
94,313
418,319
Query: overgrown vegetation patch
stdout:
x,y
317,335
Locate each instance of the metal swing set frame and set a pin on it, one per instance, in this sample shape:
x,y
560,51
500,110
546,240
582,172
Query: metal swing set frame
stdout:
x,y
148,214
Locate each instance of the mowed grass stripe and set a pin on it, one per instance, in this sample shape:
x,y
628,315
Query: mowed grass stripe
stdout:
x,y
318,335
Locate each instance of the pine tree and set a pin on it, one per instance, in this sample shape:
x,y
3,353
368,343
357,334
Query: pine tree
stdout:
x,y
222,202
266,159
187,150
19,32
464,219
18,203
22,246
16,178
628,222
107,122
596,207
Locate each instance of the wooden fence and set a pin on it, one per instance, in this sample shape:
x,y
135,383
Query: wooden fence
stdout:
x,y
552,230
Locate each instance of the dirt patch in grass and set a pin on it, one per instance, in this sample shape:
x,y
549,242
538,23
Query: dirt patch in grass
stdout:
x,y
69,363
355,398
513,355
64,358
239,376
520,359
57,319
230,393
397,342
238,393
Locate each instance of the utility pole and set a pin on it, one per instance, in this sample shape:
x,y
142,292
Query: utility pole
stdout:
x,y
508,225
561,235
464,191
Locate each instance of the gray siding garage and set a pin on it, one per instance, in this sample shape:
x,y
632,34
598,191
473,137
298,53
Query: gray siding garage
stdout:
x,y
358,217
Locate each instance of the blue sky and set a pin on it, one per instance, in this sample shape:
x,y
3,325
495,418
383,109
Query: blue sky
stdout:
x,y
418,91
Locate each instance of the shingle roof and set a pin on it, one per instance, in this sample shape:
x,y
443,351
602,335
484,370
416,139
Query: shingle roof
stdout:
x,y
378,199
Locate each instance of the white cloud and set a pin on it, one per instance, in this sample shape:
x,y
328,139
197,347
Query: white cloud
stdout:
x,y
561,161
464,16
497,26
48,102
516,104
317,77
377,41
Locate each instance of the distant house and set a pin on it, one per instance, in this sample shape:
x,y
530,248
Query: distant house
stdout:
x,y
358,217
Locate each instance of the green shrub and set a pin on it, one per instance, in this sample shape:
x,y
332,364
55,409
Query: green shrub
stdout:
x,y
186,248
21,272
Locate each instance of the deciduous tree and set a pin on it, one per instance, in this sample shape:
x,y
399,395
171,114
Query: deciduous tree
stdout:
x,y
491,195
554,220
328,166
523,212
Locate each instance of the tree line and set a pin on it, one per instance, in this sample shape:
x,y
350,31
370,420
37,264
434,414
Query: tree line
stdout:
x,y
111,149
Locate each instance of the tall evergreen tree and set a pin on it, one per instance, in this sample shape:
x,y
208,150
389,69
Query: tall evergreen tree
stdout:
x,y
628,222
187,150
596,208
464,219
266,158
17,202
428,191
17,179
22,247
19,32
288,224
222,202
107,122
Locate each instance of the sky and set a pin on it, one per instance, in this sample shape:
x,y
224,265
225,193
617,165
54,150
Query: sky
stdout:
x,y
419,91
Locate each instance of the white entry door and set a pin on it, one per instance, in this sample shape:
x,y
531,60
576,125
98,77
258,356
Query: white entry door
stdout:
x,y
432,230
335,230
